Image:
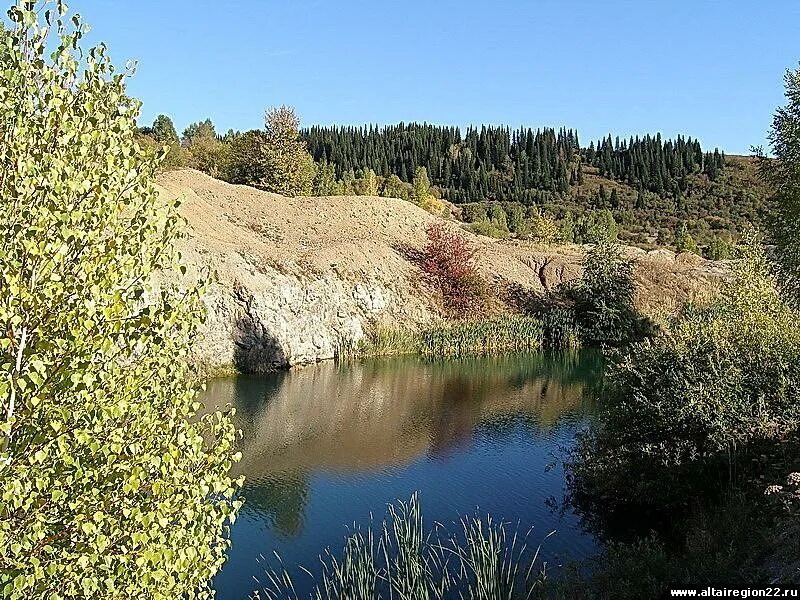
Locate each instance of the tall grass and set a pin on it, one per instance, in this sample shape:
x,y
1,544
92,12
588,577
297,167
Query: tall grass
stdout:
x,y
501,334
402,562
556,330
388,341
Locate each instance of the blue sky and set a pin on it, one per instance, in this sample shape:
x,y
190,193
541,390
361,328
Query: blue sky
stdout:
x,y
711,69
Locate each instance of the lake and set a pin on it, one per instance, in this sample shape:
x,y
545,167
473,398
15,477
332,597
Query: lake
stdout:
x,y
331,445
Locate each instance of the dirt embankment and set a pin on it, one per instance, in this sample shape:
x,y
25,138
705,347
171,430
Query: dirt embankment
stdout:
x,y
300,278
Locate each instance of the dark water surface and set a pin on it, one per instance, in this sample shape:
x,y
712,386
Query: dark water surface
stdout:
x,y
329,445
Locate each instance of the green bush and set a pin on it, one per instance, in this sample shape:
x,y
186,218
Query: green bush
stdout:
x,y
719,249
488,229
720,376
683,405
604,297
111,486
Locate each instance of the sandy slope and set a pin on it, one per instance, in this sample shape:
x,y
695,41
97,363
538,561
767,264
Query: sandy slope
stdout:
x,y
264,242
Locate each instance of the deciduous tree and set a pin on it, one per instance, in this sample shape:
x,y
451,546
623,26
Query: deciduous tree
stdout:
x,y
288,168
110,485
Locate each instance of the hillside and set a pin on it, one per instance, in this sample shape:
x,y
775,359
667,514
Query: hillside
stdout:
x,y
719,207
648,188
300,278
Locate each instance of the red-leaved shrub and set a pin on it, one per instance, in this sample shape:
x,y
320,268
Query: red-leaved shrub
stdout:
x,y
449,260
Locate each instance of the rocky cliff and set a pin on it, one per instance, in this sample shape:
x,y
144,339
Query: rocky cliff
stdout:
x,y
300,278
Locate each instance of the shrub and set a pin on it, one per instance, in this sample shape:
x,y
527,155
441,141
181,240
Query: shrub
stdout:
x,y
681,406
449,261
474,212
111,486
604,297
720,376
394,187
684,242
488,229
544,229
243,167
719,249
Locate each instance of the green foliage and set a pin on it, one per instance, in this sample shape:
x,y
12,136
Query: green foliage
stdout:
x,y
421,186
783,173
488,229
367,183
199,130
388,341
285,165
160,135
325,183
163,130
684,242
659,182
515,218
486,336
487,163
555,330
596,227
543,229
604,297
566,228
394,187
497,216
653,164
720,249
111,486
719,376
206,151
243,167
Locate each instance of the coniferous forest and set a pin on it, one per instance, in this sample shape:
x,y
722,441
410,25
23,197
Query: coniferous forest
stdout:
x,y
654,188
526,183
490,163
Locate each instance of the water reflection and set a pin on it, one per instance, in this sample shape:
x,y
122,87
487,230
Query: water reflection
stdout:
x,y
328,445
380,414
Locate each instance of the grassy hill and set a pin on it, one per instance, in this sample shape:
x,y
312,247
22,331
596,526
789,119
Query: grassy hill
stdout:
x,y
719,208
714,212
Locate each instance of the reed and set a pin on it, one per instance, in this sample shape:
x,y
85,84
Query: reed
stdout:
x,y
483,560
488,336
389,341
554,330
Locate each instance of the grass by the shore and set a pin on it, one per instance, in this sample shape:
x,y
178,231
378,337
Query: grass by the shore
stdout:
x,y
474,337
402,561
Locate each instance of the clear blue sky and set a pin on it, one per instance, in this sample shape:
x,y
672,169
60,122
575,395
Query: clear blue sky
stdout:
x,y
711,69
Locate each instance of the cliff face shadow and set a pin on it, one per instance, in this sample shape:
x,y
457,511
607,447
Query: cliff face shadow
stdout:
x,y
256,349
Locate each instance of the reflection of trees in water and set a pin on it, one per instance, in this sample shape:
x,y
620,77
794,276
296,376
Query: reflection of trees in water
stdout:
x,y
451,429
379,413
281,498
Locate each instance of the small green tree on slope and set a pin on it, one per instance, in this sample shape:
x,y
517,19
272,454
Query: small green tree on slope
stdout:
x,y
110,486
783,173
287,167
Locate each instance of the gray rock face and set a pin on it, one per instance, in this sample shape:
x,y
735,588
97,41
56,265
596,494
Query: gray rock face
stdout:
x,y
273,321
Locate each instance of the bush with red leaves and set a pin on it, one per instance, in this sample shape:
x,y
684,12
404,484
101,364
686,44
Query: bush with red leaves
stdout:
x,y
449,260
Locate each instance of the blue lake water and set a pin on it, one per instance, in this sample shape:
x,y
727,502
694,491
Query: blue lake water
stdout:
x,y
329,446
